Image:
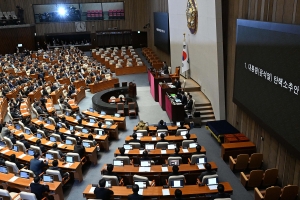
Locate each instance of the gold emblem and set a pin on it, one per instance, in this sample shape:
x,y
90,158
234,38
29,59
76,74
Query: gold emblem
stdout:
x,y
192,16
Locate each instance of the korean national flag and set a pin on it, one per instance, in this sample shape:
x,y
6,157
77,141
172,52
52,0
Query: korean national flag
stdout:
x,y
185,58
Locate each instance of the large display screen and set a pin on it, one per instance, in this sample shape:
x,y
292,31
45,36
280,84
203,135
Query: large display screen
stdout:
x,y
161,31
267,77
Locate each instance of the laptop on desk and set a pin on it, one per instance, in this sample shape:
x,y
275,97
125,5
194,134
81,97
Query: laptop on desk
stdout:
x,y
177,183
149,146
141,184
145,163
69,159
24,174
48,178
118,163
212,183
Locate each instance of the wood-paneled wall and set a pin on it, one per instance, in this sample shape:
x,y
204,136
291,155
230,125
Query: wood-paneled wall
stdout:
x,y
135,16
283,11
156,6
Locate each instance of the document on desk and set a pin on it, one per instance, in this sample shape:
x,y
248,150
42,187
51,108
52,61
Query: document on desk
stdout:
x,y
165,192
77,133
22,156
212,187
13,179
31,138
163,151
185,150
164,169
60,145
20,134
92,190
90,124
97,136
184,137
5,151
141,151
126,151
46,125
48,143
200,166
68,132
141,191
144,169
153,138
68,165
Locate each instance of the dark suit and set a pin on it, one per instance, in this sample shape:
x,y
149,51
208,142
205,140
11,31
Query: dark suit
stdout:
x,y
189,105
111,174
43,149
135,140
162,127
38,189
103,193
135,197
184,100
26,144
177,84
36,166
80,150
220,195
173,174
12,139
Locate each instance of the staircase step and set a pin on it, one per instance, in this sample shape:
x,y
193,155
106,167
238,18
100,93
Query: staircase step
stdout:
x,y
207,112
202,104
202,109
209,117
203,121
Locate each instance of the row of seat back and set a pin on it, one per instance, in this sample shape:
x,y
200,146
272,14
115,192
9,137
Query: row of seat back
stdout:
x,y
289,192
6,195
243,162
258,178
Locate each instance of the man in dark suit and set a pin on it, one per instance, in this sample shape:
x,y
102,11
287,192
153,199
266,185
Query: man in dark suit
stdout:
x,y
221,193
183,98
62,136
101,192
55,167
178,194
189,105
165,68
22,139
176,154
134,138
175,171
79,149
39,190
54,148
177,83
38,143
135,195
109,171
37,165
161,125
162,138
208,171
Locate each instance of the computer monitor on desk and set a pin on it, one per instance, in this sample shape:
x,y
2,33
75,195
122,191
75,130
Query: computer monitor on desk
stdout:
x,y
177,183
118,163
174,162
24,174
149,146
145,163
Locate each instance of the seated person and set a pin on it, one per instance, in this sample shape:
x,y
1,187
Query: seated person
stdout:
x,y
198,149
135,195
12,137
134,138
38,143
177,83
91,138
161,125
62,136
181,126
208,171
175,171
122,151
12,158
176,154
78,148
221,193
145,156
101,192
109,171
188,136
40,190
22,139
178,194
55,167
54,148
162,138
183,98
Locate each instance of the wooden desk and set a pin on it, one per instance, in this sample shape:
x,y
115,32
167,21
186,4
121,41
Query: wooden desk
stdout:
x,y
130,70
175,112
154,81
36,94
12,94
75,167
158,156
24,185
79,83
120,120
103,85
64,81
171,129
156,192
162,89
170,138
80,94
234,149
56,94
191,172
3,108
24,107
50,78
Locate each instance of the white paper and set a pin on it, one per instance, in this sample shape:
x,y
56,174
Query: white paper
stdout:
x,y
68,165
25,113
68,132
141,151
212,187
164,169
98,136
20,134
1,147
165,192
46,125
201,166
22,156
13,179
141,191
77,133
126,151
92,190
90,124
185,150
163,151
153,138
60,145
184,137
101,115
144,169
5,151
48,143
31,138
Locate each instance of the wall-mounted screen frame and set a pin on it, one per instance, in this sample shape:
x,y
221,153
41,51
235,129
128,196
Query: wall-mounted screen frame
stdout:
x,y
72,12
